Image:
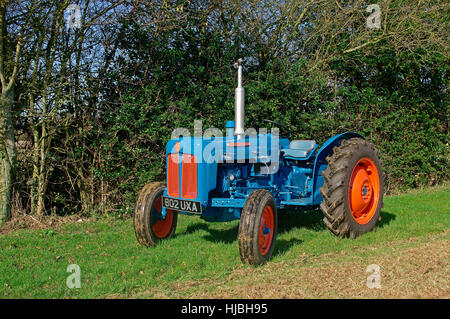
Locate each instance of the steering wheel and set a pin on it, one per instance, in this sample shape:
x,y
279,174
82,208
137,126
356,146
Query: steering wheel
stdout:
x,y
287,129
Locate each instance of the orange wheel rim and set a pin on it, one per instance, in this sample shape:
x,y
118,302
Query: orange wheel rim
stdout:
x,y
160,227
364,190
266,230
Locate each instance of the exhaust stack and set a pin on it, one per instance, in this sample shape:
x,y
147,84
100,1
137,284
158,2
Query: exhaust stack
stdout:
x,y
239,103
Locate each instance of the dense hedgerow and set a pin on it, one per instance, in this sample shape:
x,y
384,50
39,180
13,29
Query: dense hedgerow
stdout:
x,y
405,119
127,85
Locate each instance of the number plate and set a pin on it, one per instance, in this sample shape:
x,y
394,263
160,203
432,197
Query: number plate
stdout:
x,y
182,205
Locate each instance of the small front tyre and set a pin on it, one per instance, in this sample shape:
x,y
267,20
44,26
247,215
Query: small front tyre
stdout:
x,y
150,225
258,228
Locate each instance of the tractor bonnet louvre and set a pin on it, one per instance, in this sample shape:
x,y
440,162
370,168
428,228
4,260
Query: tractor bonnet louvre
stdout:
x,y
189,177
173,177
186,168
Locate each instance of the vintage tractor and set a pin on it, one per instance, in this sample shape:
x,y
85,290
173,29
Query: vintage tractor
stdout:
x,y
252,177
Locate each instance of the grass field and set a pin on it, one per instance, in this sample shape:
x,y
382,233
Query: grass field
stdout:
x,y
411,246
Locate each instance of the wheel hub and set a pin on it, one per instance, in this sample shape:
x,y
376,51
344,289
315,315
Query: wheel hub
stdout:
x,y
265,232
363,190
161,225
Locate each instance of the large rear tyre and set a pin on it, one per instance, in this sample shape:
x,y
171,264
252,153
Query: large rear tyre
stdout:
x,y
353,188
149,224
258,228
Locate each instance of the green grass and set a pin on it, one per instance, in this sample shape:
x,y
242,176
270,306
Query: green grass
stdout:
x,y
33,263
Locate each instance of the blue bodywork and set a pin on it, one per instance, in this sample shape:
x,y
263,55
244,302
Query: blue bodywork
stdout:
x,y
228,170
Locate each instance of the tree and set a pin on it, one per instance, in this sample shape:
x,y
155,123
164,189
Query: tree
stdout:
x,y
9,68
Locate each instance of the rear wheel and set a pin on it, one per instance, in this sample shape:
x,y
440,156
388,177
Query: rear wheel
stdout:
x,y
258,228
353,188
150,225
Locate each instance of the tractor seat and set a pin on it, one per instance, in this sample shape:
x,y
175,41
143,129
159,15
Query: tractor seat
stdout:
x,y
299,149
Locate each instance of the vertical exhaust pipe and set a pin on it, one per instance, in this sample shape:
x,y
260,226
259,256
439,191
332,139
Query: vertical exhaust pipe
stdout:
x,y
239,103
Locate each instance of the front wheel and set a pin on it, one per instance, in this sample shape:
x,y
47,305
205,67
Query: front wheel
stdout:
x,y
150,225
258,228
353,188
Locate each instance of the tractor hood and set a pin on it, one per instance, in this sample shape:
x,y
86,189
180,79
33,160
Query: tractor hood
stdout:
x,y
257,148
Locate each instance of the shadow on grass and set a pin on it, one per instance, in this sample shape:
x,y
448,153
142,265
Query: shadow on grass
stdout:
x,y
195,227
313,220
310,219
288,220
226,236
283,245
386,219
229,236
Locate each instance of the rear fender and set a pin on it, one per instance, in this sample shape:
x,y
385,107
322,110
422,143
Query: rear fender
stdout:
x,y
320,163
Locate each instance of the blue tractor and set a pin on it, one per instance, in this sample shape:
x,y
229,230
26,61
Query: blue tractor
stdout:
x,y
252,177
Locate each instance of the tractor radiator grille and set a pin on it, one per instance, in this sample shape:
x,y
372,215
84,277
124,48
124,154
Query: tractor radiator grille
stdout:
x,y
188,176
173,176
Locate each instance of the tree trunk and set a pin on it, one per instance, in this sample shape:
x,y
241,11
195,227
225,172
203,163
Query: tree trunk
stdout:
x,y
35,159
42,177
7,153
39,182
